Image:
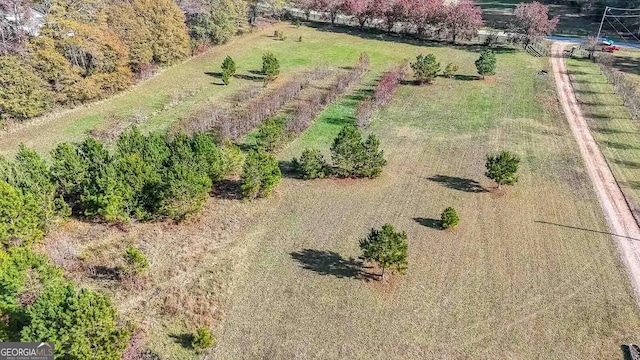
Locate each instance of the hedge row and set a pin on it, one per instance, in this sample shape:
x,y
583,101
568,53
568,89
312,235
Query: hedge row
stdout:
x,y
240,121
382,95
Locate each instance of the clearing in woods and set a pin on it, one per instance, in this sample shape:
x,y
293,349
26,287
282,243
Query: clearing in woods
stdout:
x,y
530,272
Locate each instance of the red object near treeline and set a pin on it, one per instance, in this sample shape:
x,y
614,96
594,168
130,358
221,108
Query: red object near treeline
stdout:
x,y
611,48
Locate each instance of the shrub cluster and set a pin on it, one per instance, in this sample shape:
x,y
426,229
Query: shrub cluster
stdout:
x,y
202,339
350,155
146,177
38,304
136,261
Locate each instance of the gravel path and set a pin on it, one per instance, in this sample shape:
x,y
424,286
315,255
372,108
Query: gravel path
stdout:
x,y
621,222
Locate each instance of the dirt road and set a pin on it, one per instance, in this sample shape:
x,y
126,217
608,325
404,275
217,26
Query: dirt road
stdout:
x,y
621,222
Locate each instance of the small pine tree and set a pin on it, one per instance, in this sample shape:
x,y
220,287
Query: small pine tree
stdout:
x,y
502,168
449,218
228,69
270,66
450,70
311,164
202,339
354,158
271,134
486,63
137,262
426,68
260,174
386,247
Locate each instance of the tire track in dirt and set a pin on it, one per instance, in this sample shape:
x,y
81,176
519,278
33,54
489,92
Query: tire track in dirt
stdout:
x,y
622,224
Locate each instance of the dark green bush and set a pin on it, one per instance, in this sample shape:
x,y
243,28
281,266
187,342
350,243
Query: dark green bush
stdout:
x,y
502,168
68,171
353,158
486,63
202,339
271,134
311,164
38,304
449,218
186,181
83,324
19,217
260,174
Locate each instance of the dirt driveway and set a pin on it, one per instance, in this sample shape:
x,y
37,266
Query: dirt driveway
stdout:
x,y
621,222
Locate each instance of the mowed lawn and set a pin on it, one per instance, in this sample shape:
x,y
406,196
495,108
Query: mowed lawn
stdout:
x,y
179,91
611,125
528,274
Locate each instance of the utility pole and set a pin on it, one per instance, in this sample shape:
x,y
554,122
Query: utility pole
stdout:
x,y
602,22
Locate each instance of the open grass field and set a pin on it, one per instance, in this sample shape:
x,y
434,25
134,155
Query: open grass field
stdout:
x,y
611,124
529,273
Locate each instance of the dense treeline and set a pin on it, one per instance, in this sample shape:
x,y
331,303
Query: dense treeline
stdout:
x,y
90,49
38,304
431,18
147,177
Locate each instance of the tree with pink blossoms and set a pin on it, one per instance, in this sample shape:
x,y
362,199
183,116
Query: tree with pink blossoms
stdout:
x,y
532,21
331,8
361,10
427,14
393,11
463,20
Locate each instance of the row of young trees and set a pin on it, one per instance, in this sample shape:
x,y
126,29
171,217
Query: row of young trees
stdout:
x,y
436,18
455,20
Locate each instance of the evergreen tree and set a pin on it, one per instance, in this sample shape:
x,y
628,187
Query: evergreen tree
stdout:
x,y
82,323
486,63
311,164
386,247
425,68
270,66
260,174
228,69
449,218
503,168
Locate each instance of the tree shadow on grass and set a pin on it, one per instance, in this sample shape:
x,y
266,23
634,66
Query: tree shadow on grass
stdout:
x,y
620,146
467,77
288,169
184,340
228,189
457,183
249,77
331,263
430,223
